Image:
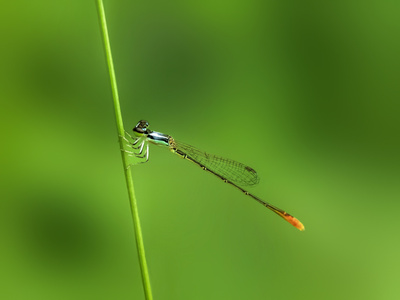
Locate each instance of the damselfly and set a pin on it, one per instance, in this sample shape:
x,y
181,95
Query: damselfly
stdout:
x,y
230,171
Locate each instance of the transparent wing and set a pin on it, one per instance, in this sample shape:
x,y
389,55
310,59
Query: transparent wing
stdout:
x,y
231,170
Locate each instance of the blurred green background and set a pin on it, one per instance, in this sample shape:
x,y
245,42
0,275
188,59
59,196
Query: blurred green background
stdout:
x,y
307,93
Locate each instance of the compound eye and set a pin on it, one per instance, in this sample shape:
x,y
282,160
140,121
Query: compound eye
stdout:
x,y
141,127
142,124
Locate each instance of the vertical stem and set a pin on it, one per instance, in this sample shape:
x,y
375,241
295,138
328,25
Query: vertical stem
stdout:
x,y
128,174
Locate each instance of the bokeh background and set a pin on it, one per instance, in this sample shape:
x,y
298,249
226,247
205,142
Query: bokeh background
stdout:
x,y
307,93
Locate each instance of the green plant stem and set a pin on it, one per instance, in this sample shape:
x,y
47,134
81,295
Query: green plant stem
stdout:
x,y
128,174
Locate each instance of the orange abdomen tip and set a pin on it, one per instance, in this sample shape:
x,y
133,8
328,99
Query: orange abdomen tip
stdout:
x,y
296,223
292,220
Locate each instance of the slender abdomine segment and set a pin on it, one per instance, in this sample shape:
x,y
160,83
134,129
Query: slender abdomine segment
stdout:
x,y
289,218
